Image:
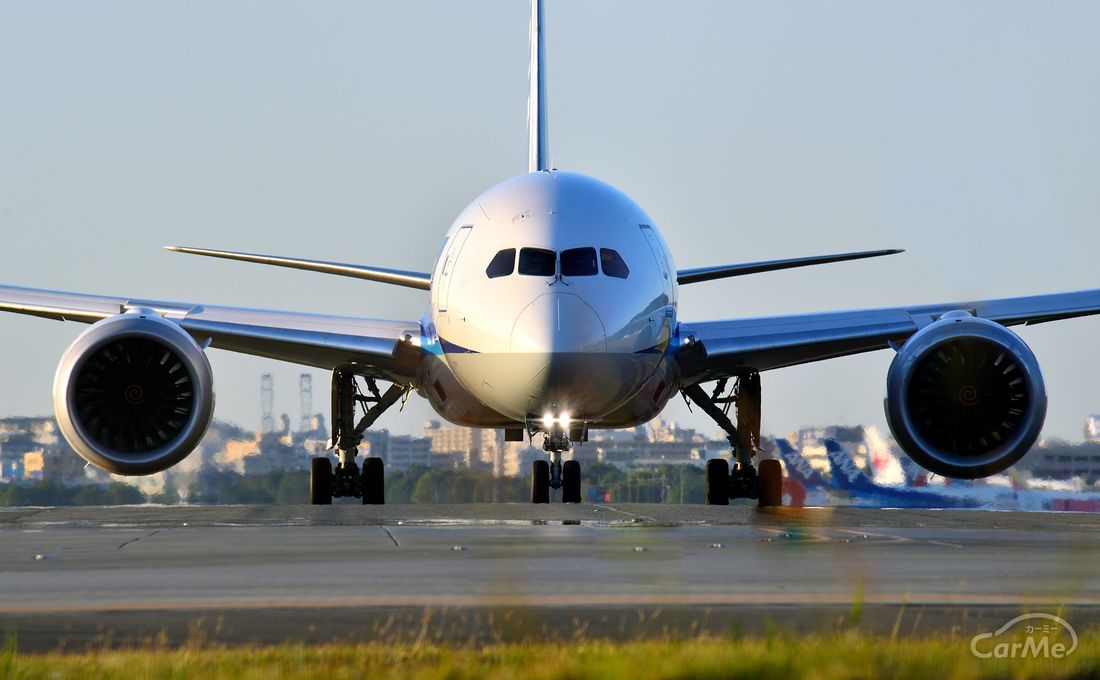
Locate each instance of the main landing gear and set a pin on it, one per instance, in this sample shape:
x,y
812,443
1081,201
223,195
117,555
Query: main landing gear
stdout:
x,y
555,474
348,479
765,483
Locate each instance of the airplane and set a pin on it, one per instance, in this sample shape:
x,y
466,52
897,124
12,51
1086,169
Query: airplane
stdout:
x,y
812,487
1016,494
864,490
851,485
1051,494
551,310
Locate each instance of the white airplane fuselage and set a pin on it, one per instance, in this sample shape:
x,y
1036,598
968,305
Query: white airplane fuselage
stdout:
x,y
575,335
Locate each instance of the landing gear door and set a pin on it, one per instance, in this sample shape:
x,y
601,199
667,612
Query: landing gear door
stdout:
x,y
447,273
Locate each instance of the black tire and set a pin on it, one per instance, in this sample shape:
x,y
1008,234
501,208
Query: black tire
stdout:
x,y
717,485
373,480
571,482
770,474
540,481
320,481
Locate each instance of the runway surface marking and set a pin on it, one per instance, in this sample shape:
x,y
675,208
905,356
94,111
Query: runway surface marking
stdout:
x,y
128,541
391,536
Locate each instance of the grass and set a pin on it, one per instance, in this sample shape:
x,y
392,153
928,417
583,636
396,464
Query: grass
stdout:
x,y
776,655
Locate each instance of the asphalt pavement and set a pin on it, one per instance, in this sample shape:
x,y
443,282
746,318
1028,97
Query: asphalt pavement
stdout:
x,y
238,574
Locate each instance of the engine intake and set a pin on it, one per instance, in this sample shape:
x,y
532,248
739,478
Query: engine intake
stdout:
x,y
134,394
965,397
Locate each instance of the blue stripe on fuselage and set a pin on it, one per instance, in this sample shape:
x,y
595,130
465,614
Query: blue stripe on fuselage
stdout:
x,y
451,348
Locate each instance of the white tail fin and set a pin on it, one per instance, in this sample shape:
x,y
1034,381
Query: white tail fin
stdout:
x,y
538,141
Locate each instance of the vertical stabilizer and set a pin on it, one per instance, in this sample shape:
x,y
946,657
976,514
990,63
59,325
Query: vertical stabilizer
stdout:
x,y
845,473
798,467
538,143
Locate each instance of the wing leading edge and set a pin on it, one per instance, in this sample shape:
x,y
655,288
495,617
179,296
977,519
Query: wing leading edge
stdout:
x,y
714,349
397,277
723,271
386,349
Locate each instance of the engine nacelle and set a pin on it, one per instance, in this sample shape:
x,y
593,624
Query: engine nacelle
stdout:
x,y
965,397
134,394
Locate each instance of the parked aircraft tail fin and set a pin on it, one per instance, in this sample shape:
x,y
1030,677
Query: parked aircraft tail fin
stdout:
x,y
845,473
798,468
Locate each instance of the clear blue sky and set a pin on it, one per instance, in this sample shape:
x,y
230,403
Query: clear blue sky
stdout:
x,y
968,133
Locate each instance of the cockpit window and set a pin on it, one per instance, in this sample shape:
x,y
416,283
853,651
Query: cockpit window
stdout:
x,y
613,264
537,262
503,264
579,262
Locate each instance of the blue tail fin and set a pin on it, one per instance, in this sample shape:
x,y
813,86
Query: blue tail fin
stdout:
x,y
850,478
798,467
845,473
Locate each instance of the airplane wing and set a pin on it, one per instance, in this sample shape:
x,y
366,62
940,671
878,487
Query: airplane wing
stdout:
x,y
384,349
399,277
724,271
714,349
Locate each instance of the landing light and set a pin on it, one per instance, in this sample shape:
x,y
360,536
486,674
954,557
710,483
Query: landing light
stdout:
x,y
548,421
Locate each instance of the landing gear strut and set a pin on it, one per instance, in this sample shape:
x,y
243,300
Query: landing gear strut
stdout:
x,y
347,479
743,481
555,474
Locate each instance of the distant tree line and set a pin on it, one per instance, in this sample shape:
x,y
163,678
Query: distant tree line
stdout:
x,y
423,485
415,485
219,487
602,483
55,493
658,484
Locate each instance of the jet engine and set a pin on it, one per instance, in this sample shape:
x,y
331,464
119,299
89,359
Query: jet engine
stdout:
x,y
965,397
134,393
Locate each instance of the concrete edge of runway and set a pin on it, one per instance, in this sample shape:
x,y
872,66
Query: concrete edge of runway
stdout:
x,y
614,515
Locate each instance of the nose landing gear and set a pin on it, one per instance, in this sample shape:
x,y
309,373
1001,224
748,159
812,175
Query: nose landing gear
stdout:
x,y
765,484
555,474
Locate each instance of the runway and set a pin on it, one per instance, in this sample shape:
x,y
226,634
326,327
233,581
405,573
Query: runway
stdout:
x,y
76,576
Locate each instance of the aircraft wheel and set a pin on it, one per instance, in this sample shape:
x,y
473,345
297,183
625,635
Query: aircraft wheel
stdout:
x,y
540,481
770,474
373,481
320,481
717,486
571,482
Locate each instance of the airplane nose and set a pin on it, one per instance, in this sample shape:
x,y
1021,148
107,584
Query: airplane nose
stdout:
x,y
558,322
